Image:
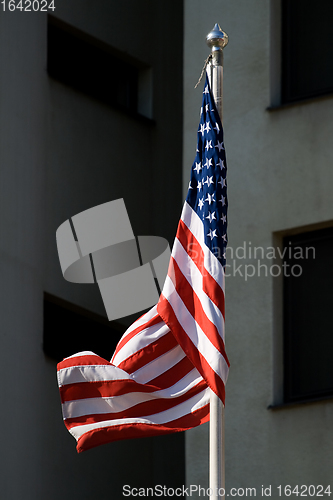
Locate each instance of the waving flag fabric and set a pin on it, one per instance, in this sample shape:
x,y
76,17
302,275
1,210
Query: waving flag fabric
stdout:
x,y
161,373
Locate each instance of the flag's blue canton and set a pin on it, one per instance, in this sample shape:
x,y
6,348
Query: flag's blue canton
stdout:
x,y
207,192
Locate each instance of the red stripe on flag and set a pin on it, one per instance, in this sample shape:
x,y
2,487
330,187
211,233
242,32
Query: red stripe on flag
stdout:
x,y
104,389
139,410
148,353
104,435
84,360
173,375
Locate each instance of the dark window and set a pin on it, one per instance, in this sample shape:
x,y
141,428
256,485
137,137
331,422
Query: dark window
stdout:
x,y
308,320
86,65
69,329
307,49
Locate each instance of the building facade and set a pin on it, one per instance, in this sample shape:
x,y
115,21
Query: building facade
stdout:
x,y
278,412
69,144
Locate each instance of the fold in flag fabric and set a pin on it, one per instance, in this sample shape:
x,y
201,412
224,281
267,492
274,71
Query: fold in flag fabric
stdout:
x,y
159,378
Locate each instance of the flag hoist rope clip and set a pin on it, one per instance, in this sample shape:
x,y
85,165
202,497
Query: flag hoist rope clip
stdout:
x,y
203,70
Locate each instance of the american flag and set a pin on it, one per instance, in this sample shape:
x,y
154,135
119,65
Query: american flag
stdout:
x,y
160,376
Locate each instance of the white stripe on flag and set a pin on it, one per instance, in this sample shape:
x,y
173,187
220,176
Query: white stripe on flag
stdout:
x,y
90,373
192,404
115,404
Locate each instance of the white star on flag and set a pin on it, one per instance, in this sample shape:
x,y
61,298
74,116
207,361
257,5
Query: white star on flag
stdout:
x,y
209,163
221,164
212,234
219,145
201,203
222,200
211,216
210,198
198,167
209,181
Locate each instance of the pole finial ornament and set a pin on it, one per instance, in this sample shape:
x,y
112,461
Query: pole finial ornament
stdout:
x,y
217,39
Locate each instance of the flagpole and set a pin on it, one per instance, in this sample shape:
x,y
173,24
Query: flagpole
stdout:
x,y
217,40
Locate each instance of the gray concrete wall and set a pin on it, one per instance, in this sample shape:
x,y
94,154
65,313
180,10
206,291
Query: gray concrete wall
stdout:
x,y
279,178
62,152
22,170
97,154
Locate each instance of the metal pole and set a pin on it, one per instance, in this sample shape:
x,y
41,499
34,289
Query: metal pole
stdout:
x,y
217,40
